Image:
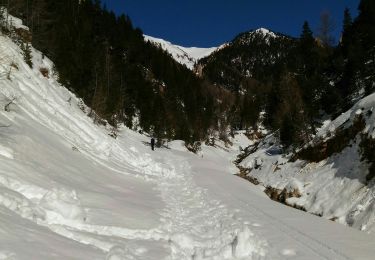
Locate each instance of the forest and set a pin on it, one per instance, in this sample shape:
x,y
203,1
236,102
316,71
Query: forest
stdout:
x,y
288,85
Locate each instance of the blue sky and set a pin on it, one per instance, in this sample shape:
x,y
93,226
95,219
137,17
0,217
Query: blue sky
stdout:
x,y
207,23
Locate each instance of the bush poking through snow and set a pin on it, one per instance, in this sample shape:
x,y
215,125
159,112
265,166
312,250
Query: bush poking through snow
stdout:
x,y
283,195
194,147
23,34
44,72
9,101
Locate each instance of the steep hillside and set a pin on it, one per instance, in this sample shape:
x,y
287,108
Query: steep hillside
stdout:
x,y
105,60
332,176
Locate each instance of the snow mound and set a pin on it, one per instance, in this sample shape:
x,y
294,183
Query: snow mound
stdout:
x,y
118,253
294,185
62,205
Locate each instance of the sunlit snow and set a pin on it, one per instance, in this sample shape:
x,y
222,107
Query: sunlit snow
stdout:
x,y
68,190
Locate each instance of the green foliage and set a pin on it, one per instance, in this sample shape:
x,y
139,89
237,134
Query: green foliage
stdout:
x,y
367,146
105,60
357,51
26,52
283,82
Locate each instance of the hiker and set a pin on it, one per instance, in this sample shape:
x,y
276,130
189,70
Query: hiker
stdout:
x,y
152,143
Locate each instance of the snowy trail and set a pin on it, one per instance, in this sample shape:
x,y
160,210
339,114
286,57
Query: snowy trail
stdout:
x,y
290,233
317,248
201,228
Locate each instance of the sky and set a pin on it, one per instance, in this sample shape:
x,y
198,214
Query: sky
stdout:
x,y
209,23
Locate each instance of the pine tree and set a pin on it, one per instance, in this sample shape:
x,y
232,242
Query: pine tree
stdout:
x,y
346,34
365,26
347,22
26,52
308,66
306,39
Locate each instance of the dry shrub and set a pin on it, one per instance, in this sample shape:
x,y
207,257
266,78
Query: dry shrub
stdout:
x,y
44,72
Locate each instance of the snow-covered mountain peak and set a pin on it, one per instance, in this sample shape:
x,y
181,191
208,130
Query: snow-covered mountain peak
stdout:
x,y
185,55
265,32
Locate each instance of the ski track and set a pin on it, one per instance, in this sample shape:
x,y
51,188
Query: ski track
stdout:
x,y
308,242
193,226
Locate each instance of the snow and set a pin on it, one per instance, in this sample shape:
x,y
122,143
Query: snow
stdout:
x,y
12,21
187,56
363,108
265,32
70,191
6,152
336,187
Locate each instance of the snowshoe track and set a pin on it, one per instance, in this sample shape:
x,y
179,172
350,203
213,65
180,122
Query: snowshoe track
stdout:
x,y
201,228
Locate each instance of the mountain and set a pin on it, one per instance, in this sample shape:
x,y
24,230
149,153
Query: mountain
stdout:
x,y
187,56
69,189
78,177
253,54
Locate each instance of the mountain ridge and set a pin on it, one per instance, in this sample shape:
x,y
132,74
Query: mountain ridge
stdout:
x,y
187,56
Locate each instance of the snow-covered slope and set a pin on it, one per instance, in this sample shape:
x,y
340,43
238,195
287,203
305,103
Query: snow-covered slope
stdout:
x,y
185,55
337,186
70,191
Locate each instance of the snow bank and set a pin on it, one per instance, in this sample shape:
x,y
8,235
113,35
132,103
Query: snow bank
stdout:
x,y
364,108
62,205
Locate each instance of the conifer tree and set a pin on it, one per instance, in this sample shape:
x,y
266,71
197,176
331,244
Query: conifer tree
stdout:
x,y
26,52
307,66
346,33
365,26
